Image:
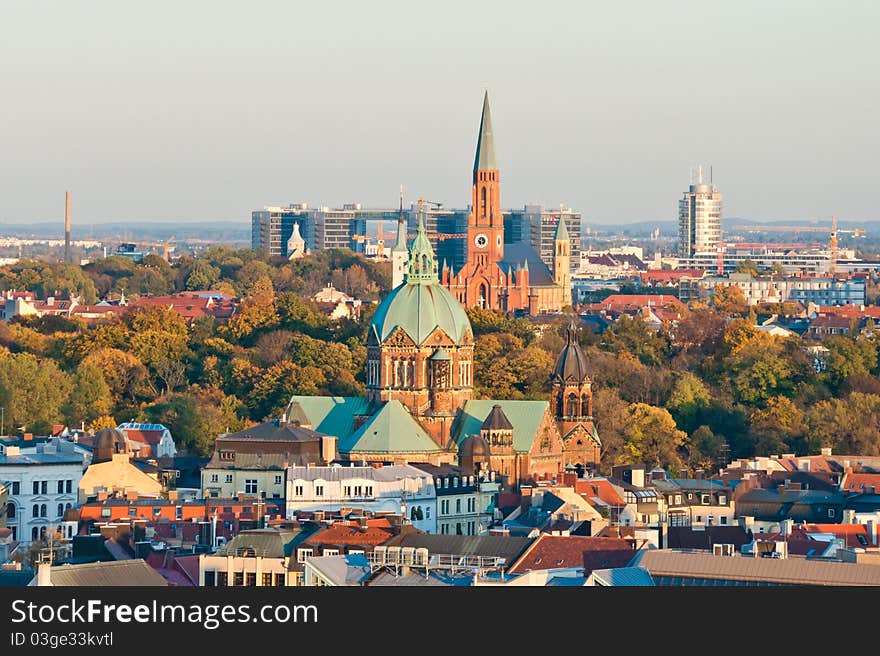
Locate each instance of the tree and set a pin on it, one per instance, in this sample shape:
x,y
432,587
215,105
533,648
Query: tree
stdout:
x,y
848,357
706,448
32,391
729,300
633,335
202,275
652,437
611,417
124,374
747,266
90,396
777,427
689,396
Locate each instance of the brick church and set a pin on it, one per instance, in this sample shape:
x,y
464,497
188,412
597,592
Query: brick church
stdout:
x,y
499,276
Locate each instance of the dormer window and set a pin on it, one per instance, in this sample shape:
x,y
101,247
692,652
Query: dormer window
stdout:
x,y
227,455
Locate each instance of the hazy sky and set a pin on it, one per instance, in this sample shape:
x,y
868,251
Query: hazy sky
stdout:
x,y
190,110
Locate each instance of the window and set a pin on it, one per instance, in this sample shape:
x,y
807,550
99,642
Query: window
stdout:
x,y
60,487
250,579
178,512
677,500
250,486
16,487
10,511
68,486
699,518
471,504
722,500
60,510
34,533
213,478
105,512
36,487
458,528
227,455
277,479
831,512
427,512
238,579
357,490
298,490
222,579
157,511
331,552
44,487
457,506
279,579
346,490
132,511
36,510
228,478
319,490
705,499
266,579
210,579
368,491
43,510
723,520
302,554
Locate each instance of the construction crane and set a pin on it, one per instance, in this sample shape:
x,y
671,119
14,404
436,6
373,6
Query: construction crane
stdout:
x,y
833,243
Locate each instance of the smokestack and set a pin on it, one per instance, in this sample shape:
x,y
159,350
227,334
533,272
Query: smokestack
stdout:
x,y
67,227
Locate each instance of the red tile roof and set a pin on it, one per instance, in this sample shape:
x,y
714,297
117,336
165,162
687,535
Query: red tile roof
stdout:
x,y
859,482
343,533
554,551
848,532
151,437
600,488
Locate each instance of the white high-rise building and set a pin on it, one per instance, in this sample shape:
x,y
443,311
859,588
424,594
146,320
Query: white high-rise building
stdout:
x,y
699,217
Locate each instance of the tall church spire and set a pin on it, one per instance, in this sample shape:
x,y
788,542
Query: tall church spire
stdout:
x,y
422,263
485,157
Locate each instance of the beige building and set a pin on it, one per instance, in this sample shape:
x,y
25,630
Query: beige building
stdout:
x,y
251,474
117,474
258,558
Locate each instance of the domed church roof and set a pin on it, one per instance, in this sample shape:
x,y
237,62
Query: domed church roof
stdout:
x,y
107,442
421,303
572,363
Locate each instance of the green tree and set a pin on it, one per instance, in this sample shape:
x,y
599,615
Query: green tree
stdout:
x,y
633,335
688,398
33,391
653,438
90,396
202,276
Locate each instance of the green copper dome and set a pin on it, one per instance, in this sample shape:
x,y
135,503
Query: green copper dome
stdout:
x,y
421,303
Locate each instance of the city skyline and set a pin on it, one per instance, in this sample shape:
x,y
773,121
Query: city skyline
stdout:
x,y
190,114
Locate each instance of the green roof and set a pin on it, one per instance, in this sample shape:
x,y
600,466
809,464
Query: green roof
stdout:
x,y
418,309
391,430
561,229
332,415
526,417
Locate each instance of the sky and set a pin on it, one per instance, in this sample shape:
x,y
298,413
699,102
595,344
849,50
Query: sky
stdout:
x,y
196,110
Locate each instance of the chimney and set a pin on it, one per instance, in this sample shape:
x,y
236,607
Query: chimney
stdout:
x,y
804,465
67,227
698,474
849,516
780,488
825,451
44,574
28,437
328,448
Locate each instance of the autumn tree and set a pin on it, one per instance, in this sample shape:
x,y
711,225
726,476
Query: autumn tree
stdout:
x,y
33,391
653,438
729,300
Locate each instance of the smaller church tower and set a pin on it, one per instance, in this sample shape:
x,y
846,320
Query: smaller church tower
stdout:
x,y
296,245
562,261
572,400
399,254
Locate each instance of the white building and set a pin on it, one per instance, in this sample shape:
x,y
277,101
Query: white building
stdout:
x,y
699,217
399,489
42,485
465,504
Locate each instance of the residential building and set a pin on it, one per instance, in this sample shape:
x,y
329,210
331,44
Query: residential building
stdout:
x,y
148,440
825,290
41,485
465,502
115,474
254,461
400,489
765,510
256,558
699,217
696,502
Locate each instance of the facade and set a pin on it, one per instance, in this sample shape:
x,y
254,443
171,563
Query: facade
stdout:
x,y
465,502
256,558
41,486
696,502
392,489
500,276
117,474
699,218
824,290
273,227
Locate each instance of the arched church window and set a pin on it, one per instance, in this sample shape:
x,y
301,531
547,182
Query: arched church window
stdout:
x,y
483,199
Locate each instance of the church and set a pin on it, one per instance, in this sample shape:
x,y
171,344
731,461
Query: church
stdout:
x,y
499,276
419,404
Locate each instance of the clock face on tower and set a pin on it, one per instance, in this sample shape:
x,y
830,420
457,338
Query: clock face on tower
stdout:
x,y
480,240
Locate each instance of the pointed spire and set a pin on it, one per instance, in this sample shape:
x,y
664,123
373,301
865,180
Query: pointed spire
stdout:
x,y
561,230
572,334
525,265
400,245
422,267
485,157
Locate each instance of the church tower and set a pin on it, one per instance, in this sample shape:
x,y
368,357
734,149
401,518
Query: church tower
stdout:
x,y
572,400
485,223
399,253
562,261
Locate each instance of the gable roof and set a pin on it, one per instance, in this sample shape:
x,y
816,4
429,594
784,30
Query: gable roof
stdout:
x,y
525,416
269,543
332,415
554,551
134,572
600,489
517,253
341,533
622,576
275,431
498,546
391,430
